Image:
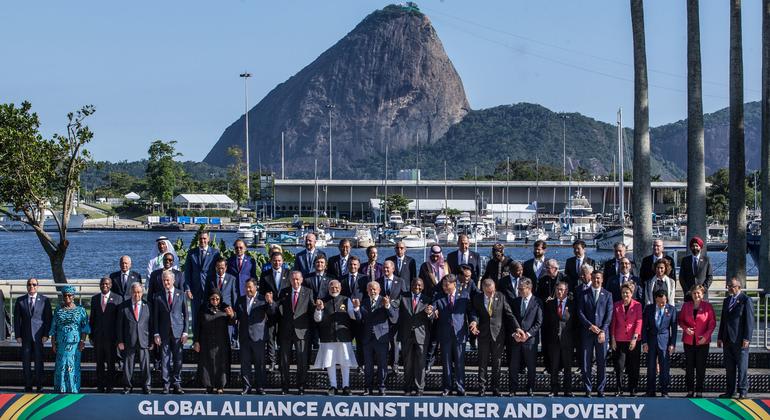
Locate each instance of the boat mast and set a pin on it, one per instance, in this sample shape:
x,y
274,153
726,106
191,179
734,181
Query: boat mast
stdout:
x,y
476,202
446,209
621,187
315,211
507,191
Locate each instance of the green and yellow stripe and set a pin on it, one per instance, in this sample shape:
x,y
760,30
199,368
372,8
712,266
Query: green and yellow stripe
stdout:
x,y
34,406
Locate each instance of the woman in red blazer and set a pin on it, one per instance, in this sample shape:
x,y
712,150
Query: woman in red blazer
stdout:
x,y
697,320
626,329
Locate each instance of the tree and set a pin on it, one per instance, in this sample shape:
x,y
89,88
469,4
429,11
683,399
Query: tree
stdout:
x,y
696,170
641,200
764,175
736,247
236,176
163,173
39,177
396,202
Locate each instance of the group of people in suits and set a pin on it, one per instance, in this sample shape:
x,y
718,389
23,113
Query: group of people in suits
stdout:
x,y
394,311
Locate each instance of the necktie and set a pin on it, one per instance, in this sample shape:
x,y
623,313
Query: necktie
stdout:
x,y
309,259
579,264
32,305
221,280
514,286
561,311
374,302
104,302
489,306
732,303
694,264
136,311
240,263
277,276
294,301
660,318
465,258
318,283
352,283
400,263
169,299
387,287
523,307
451,302
202,256
125,280
344,266
248,306
596,295
414,303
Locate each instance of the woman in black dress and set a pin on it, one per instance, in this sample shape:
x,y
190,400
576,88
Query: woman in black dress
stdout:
x,y
212,342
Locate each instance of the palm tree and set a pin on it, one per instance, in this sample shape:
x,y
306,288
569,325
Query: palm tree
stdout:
x,y
736,249
764,254
696,171
641,202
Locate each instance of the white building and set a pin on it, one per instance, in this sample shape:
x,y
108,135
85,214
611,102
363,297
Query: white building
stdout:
x,y
428,206
204,202
511,212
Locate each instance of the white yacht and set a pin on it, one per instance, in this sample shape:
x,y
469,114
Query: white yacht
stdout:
x,y
606,239
537,234
363,238
395,221
578,218
411,236
49,224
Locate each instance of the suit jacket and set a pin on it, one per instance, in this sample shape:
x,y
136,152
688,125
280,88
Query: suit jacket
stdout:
x,y
509,289
413,323
556,331
398,286
319,284
267,282
453,320
293,323
529,271
247,270
155,284
453,259
689,278
546,285
408,268
626,325
571,270
610,271
302,264
229,289
358,291
500,324
496,270
376,321
703,323
169,321
334,266
531,320
613,286
597,313
104,323
647,271
32,326
131,331
117,283
653,335
376,270
649,288
197,272
5,319
429,280
253,325
737,324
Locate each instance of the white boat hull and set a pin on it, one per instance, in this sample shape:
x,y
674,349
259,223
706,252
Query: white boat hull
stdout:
x,y
605,241
49,225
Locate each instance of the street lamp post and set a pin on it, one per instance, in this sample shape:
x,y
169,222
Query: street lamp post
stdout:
x,y
564,144
246,76
330,107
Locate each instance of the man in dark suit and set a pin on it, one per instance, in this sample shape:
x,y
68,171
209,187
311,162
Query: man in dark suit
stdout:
x,y
613,283
295,311
304,261
696,269
123,279
414,333
612,266
392,287
658,341
498,265
454,312
573,264
225,282
134,337
103,321
169,324
509,284
273,281
647,270
354,283
595,313
736,327
155,282
559,329
371,268
252,311
405,266
464,256
376,313
527,309
318,280
546,284
337,266
242,266
535,266
31,323
198,271
491,318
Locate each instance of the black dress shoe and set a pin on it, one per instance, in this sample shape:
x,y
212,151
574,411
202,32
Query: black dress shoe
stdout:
x,y
165,391
260,391
664,394
27,389
367,392
619,393
381,392
649,394
569,394
284,391
551,394
100,390
108,391
460,393
245,391
726,395
146,391
698,395
444,393
178,391
419,393
530,393
600,394
690,395
496,393
632,393
330,391
482,393
126,391
588,395
346,391
301,391
743,395
40,389
512,394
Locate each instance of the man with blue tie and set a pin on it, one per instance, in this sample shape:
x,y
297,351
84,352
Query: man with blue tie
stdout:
x,y
464,256
595,313
242,266
273,280
405,266
169,323
528,312
736,327
31,323
452,314
392,287
337,266
198,271
252,311
354,283
658,341
509,284
375,313
304,261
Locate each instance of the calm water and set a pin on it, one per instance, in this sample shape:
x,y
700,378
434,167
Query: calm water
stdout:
x,y
92,254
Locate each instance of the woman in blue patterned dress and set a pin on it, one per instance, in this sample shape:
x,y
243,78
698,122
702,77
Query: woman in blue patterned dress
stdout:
x,y
68,335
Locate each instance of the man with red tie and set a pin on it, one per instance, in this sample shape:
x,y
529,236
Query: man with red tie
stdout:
x,y
414,333
169,323
295,314
134,337
103,320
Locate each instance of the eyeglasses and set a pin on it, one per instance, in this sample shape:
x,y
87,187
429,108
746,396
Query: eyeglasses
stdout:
x,y
31,284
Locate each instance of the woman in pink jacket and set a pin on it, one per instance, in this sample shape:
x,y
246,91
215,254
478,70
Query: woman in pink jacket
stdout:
x,y
697,320
626,329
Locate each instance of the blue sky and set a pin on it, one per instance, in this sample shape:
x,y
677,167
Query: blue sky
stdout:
x,y
169,69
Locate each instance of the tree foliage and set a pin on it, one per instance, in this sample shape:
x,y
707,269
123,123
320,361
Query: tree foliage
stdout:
x,y
236,175
163,172
396,202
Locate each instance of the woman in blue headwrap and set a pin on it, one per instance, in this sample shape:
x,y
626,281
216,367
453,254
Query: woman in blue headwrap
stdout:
x,y
68,338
